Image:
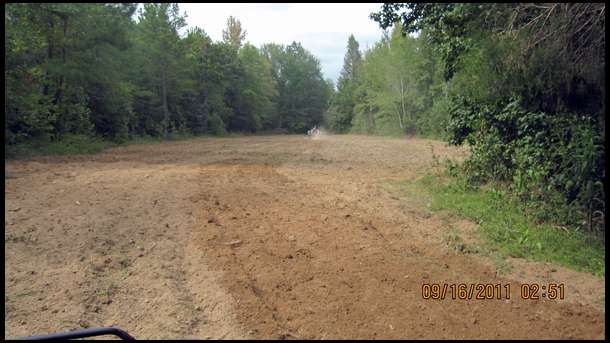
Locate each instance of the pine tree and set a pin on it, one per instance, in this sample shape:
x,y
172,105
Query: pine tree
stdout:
x,y
344,101
233,34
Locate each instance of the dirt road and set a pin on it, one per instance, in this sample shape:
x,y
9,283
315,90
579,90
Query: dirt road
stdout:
x,y
258,237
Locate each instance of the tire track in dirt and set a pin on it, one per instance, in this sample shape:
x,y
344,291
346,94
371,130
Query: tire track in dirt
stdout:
x,y
215,218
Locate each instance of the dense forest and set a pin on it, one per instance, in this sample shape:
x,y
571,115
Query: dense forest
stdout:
x,y
523,85
102,69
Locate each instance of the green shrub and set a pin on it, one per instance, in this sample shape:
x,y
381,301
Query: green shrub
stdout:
x,y
216,125
554,162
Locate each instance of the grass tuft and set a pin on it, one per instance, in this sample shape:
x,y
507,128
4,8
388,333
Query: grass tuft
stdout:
x,y
68,145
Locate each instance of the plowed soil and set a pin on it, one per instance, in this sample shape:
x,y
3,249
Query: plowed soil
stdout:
x,y
259,237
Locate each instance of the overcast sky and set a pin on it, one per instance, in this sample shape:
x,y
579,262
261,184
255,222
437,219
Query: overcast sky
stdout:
x,y
322,29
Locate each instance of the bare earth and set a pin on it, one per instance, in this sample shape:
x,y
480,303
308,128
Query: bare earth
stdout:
x,y
259,237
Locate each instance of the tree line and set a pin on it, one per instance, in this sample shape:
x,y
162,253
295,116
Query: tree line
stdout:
x,y
101,69
395,87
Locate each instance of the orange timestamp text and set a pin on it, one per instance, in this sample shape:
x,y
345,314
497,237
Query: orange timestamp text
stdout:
x,y
488,291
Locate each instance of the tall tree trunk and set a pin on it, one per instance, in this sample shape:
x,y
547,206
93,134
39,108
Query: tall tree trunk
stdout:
x,y
372,116
602,114
399,117
206,113
45,88
60,87
369,121
164,96
402,99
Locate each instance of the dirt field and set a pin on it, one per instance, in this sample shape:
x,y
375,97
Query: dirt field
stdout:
x,y
258,237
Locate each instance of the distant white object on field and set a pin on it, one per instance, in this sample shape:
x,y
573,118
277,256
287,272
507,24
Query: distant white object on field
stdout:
x,y
313,133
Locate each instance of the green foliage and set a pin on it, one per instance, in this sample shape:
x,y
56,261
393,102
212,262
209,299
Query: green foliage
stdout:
x,y
53,60
255,108
302,91
435,119
73,113
506,227
552,162
340,115
398,89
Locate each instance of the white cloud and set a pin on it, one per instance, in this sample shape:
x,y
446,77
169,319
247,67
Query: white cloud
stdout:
x,y
322,28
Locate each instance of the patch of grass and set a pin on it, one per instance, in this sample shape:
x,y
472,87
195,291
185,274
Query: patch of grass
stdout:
x,y
453,239
81,144
103,292
68,145
500,263
505,228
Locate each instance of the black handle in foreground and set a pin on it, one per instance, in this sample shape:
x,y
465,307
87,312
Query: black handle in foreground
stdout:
x,y
82,334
